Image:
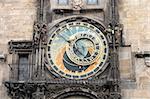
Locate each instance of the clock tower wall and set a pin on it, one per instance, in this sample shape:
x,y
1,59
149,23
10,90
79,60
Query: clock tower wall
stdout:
x,y
16,23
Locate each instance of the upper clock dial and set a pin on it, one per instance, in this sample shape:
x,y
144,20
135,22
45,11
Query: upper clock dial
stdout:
x,y
77,50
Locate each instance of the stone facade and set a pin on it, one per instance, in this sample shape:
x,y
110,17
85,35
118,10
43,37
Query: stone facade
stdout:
x,y
16,23
136,19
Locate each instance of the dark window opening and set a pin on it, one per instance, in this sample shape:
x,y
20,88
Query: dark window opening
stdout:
x,y
23,67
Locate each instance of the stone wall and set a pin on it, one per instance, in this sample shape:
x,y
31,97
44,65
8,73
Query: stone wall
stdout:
x,y
16,23
135,16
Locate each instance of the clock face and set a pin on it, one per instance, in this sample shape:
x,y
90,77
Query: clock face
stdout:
x,y
76,50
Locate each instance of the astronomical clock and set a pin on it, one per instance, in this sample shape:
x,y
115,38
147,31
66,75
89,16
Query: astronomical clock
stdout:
x,y
73,53
77,50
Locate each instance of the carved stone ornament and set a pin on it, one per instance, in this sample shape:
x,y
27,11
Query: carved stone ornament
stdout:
x,y
40,30
23,45
77,4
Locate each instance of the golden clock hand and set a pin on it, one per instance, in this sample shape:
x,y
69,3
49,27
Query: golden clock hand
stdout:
x,y
69,30
64,38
